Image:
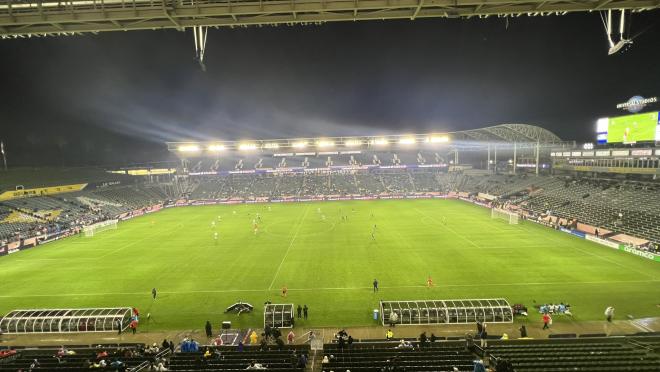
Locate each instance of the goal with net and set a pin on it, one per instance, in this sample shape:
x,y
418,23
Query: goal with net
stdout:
x,y
512,217
98,227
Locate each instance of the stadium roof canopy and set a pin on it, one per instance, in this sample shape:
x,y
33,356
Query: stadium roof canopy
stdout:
x,y
501,135
20,18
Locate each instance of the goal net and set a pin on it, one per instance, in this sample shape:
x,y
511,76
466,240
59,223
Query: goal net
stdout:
x,y
98,227
512,217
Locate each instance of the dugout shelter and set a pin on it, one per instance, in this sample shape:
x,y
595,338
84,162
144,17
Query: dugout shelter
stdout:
x,y
463,311
66,320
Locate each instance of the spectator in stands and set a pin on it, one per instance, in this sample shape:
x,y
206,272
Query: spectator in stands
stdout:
x,y
480,327
389,334
209,329
165,344
218,341
253,338
340,343
208,354
349,341
609,313
291,337
484,336
133,325
422,339
325,360
255,365
433,338
240,346
403,344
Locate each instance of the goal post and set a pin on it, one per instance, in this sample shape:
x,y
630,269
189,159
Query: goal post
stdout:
x,y
98,227
503,214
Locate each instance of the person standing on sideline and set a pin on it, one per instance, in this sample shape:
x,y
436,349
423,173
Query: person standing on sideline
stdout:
x,y
284,291
153,293
546,321
609,313
299,310
523,331
305,309
290,337
375,285
209,329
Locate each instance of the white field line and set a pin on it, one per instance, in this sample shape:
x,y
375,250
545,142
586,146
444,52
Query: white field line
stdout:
x,y
521,284
277,272
448,229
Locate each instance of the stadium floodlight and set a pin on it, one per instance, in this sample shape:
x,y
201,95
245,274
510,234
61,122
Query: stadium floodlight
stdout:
x,y
437,139
588,146
352,142
299,145
188,148
378,141
271,145
247,146
510,161
407,141
215,148
324,143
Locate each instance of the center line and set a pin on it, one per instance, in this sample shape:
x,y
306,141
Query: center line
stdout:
x,y
288,249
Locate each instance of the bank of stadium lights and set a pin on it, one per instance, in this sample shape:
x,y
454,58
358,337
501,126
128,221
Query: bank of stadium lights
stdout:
x,y
353,143
407,141
188,148
437,139
299,145
378,142
216,148
588,146
247,146
324,143
271,146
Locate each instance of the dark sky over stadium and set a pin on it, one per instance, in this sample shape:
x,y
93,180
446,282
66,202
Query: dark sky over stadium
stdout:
x,y
114,98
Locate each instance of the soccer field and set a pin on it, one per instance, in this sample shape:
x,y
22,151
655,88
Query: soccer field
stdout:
x,y
327,263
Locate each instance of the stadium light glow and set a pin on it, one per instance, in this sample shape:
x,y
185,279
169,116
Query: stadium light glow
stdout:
x,y
247,146
588,146
271,145
602,124
299,145
188,148
216,148
352,143
324,143
378,141
407,141
437,139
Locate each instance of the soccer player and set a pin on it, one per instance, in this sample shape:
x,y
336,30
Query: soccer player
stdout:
x,y
429,282
212,223
375,283
153,293
284,291
215,236
444,220
255,228
373,233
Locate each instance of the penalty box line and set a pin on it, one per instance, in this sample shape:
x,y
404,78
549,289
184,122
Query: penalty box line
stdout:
x,y
523,284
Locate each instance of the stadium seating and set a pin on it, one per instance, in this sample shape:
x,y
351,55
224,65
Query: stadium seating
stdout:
x,y
79,360
230,359
598,354
373,357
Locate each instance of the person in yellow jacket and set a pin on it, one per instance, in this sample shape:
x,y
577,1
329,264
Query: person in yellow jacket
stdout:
x,y
253,338
389,334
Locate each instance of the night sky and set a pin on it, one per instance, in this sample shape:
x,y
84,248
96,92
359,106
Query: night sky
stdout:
x,y
114,98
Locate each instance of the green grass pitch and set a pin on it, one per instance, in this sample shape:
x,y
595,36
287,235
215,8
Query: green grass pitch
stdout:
x,y
326,263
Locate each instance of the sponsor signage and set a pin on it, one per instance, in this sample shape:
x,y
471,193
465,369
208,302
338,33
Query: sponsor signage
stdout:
x,y
41,191
636,103
603,153
587,153
620,152
641,152
639,253
576,153
605,242
567,153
